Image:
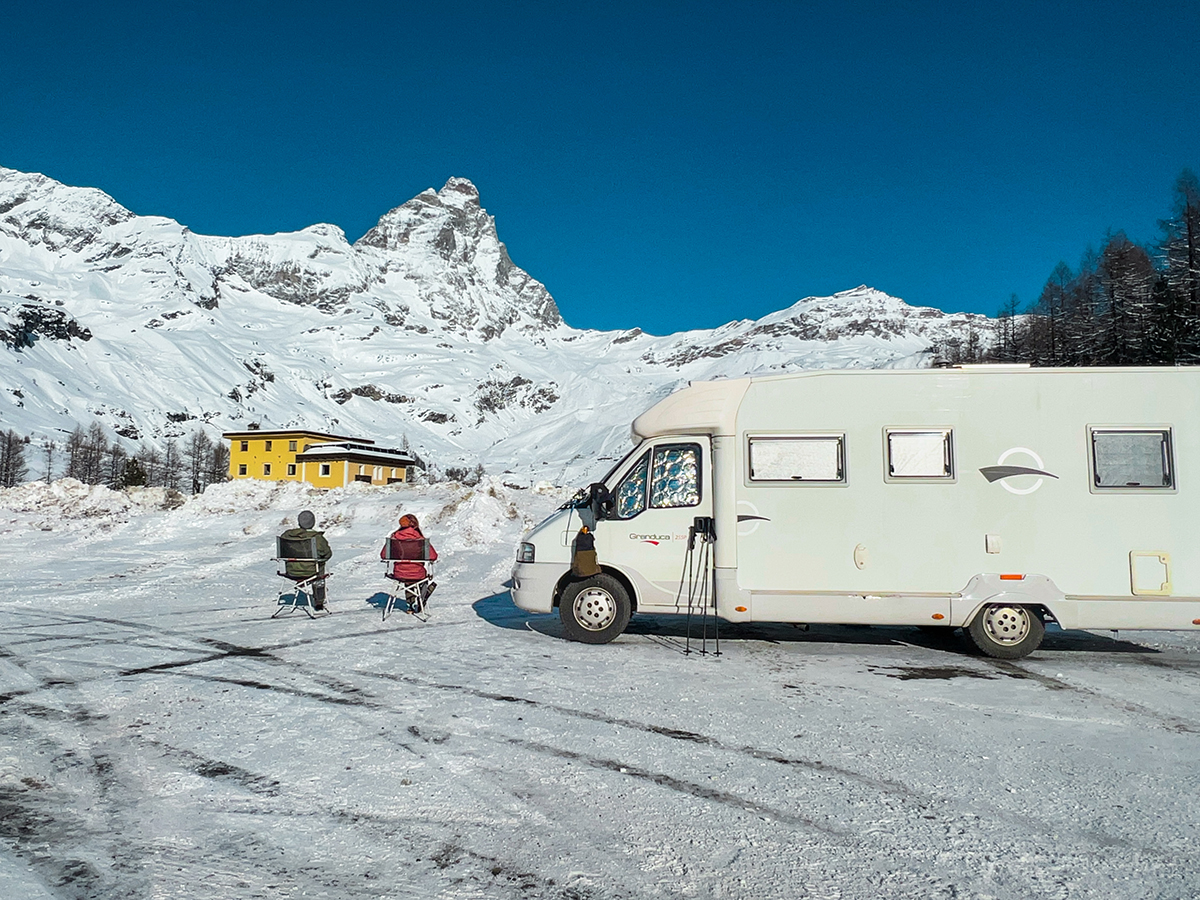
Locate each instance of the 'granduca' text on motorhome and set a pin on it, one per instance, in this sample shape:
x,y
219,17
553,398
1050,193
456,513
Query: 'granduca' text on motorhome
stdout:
x,y
991,498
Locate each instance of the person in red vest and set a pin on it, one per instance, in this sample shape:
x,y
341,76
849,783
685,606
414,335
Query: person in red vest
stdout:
x,y
411,568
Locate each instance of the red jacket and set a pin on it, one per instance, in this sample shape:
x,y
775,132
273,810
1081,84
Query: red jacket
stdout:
x,y
409,569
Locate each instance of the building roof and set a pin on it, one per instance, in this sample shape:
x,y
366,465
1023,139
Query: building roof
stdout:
x,y
286,432
356,452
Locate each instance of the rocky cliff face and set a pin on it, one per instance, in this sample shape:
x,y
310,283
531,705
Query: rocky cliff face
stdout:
x,y
446,243
423,329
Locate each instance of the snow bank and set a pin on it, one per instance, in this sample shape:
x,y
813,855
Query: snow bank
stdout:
x,y
68,498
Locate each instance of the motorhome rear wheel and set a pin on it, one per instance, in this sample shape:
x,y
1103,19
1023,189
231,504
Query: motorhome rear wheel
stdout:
x,y
1006,632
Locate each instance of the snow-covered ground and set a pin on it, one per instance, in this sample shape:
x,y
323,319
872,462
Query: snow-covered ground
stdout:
x,y
162,736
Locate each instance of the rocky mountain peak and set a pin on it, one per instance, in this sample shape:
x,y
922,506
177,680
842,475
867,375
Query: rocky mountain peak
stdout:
x,y
480,289
42,211
435,218
459,193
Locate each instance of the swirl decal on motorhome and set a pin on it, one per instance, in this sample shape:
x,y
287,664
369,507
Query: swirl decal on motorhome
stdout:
x,y
1001,472
748,522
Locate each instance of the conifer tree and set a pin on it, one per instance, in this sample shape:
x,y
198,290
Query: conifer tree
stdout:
x,y
12,458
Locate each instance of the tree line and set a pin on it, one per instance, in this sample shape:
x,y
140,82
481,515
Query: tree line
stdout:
x,y
90,457
1127,305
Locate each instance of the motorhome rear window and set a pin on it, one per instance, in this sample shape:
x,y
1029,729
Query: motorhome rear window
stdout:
x,y
817,459
919,453
1132,458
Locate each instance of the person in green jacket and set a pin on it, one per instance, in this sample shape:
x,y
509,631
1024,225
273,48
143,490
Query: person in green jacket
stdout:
x,y
299,570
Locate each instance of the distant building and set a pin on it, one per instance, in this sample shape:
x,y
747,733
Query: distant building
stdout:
x,y
323,460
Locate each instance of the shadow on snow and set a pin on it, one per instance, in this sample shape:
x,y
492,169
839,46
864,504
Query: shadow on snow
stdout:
x,y
499,610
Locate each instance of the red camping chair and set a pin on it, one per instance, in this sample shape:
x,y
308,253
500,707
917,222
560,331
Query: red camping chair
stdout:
x,y
414,592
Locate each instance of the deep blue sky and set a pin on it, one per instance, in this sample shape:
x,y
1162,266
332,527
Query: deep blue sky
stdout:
x,y
664,165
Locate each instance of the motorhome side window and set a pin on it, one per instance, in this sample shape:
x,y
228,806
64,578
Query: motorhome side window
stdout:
x,y
629,498
666,479
675,477
813,459
920,453
1132,458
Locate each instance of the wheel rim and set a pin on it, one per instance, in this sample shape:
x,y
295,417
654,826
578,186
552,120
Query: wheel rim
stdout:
x,y
595,609
1006,624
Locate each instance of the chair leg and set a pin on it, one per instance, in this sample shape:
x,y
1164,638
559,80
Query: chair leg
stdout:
x,y
301,596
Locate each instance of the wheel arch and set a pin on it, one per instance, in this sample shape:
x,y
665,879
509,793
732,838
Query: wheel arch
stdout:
x,y
621,577
1011,598
1035,592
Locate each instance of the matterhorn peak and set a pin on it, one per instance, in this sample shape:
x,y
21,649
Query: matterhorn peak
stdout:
x,y
455,208
459,193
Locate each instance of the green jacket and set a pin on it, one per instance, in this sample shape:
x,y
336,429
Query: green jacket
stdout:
x,y
307,569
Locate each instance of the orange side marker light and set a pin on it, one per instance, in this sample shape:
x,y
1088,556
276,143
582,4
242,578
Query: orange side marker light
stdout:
x,y
743,609
938,616
1012,577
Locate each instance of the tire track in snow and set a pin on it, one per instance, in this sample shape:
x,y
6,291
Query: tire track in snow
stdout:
x,y
685,787
676,734
1164,720
350,696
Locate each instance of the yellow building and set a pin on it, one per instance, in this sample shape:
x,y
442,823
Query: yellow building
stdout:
x,y
323,460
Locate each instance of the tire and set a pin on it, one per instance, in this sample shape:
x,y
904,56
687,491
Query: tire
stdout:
x,y
594,610
1006,631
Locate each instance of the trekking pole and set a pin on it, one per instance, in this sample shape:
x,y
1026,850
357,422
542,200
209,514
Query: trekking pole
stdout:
x,y
687,573
716,618
703,598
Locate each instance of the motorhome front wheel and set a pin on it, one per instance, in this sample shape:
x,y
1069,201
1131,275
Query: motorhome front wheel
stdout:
x,y
594,610
1006,632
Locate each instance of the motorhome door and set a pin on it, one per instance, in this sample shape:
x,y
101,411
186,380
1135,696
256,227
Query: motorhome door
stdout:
x,y
655,502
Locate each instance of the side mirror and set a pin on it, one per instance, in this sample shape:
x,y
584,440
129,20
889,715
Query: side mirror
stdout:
x,y
600,500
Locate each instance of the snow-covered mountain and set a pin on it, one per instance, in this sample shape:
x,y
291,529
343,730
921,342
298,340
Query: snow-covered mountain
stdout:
x,y
423,329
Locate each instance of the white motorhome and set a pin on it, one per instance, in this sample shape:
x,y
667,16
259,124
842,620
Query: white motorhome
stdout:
x,y
990,498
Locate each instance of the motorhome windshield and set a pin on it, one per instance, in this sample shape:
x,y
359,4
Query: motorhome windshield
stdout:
x,y
583,496
607,479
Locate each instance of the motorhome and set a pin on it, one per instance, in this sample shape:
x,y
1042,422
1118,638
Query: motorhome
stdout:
x,y
990,498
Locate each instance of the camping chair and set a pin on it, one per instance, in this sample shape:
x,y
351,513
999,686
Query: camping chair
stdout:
x,y
414,593
302,591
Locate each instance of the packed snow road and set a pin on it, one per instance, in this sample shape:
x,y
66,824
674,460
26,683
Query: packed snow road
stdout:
x,y
162,736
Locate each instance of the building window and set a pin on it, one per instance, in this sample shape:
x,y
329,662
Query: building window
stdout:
x,y
242,469
803,459
266,468
291,468
291,446
245,446
324,470
1132,459
268,445
920,453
